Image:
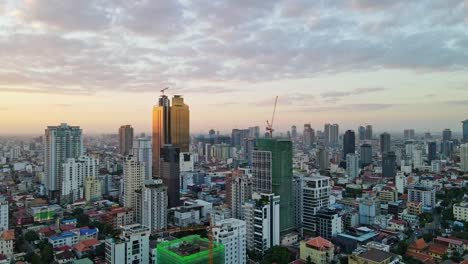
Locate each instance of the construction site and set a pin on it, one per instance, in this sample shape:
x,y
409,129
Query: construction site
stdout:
x,y
190,249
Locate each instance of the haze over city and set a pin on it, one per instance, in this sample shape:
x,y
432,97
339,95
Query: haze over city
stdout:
x,y
98,64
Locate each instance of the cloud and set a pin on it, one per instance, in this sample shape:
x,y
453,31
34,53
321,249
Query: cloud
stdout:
x,y
205,90
135,46
358,91
457,102
346,108
43,90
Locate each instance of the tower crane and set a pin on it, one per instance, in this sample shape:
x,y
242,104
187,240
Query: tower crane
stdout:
x,y
269,127
163,90
209,229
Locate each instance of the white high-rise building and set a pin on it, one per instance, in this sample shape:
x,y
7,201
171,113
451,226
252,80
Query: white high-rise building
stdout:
x,y
417,157
241,191
154,205
400,182
232,235
131,247
60,143
3,214
464,157
186,161
315,194
262,217
369,209
426,196
74,173
352,165
142,150
436,166
133,178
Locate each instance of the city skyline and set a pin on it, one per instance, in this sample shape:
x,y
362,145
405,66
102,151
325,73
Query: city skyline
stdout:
x,y
348,62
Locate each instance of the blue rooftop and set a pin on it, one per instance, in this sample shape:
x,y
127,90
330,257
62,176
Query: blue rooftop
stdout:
x,y
361,238
86,231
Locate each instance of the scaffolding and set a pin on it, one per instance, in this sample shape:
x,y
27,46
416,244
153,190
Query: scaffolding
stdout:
x,y
191,250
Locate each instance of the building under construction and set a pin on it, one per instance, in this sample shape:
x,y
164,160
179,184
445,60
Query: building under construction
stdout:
x,y
190,249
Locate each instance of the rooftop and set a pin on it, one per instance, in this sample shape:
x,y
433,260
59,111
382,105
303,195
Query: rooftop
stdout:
x,y
376,255
319,243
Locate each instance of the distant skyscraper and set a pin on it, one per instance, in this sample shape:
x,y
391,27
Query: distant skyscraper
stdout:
x,y
170,173
362,133
180,124
465,130
369,134
125,139
294,132
61,143
446,149
334,133
142,150
308,135
464,157
254,132
384,142
427,136
352,165
161,130
324,159
431,151
326,134
408,133
272,173
446,135
366,155
389,164
154,205
349,143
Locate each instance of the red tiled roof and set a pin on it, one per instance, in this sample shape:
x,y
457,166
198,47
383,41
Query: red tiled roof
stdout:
x,y
8,235
419,244
439,250
422,257
319,243
397,221
91,242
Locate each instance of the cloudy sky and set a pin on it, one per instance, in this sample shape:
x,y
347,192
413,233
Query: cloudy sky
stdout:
x,y
101,63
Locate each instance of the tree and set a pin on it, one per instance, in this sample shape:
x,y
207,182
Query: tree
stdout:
x,y
277,254
31,236
309,260
428,237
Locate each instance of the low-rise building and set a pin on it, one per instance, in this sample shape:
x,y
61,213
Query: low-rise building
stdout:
x,y
318,250
460,211
7,240
371,256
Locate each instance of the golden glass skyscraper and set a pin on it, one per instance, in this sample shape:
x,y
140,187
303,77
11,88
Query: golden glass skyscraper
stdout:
x,y
171,125
161,130
180,124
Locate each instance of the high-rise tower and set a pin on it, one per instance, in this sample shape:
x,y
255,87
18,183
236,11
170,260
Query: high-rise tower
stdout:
x,y
180,124
170,173
61,143
349,143
125,139
161,130
384,142
272,173
465,130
